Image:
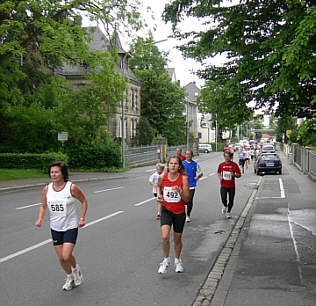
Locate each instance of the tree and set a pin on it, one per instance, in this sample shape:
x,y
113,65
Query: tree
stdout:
x,y
270,48
144,132
226,104
36,38
162,102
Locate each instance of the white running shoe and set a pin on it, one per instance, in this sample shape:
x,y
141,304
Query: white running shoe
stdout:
x,y
163,267
224,210
77,276
69,283
178,266
228,215
187,219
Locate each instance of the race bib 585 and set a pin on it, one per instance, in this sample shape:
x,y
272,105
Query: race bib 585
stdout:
x,y
58,207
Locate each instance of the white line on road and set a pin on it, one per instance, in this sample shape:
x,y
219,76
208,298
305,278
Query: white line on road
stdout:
x,y
151,170
203,178
27,206
211,174
104,190
141,203
36,246
103,218
281,189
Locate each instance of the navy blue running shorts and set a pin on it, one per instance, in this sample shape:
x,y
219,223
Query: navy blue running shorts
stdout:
x,y
69,236
169,218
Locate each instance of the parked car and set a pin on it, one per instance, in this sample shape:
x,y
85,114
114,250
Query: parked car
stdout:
x,y
205,148
268,148
268,163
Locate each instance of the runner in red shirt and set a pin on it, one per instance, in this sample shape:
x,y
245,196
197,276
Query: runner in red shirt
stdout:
x,y
172,192
179,153
227,171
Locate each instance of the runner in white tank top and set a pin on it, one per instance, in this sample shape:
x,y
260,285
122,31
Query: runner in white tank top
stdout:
x,y
61,197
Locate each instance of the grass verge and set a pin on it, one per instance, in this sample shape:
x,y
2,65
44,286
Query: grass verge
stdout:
x,y
14,174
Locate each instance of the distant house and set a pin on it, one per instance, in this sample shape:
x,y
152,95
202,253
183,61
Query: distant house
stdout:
x,y
172,74
75,76
192,92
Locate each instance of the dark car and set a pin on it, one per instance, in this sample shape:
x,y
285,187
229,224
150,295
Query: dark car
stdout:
x,y
268,163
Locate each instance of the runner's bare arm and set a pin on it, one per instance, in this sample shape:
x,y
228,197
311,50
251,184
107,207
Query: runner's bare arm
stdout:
x,y
185,194
77,193
42,209
159,192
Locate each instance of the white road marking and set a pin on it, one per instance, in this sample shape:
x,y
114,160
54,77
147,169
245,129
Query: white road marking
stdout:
x,y
211,174
109,189
203,178
36,246
298,259
141,203
103,218
281,189
151,170
27,206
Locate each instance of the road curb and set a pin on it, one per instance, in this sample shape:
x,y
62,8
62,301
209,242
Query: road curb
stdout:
x,y
21,187
208,289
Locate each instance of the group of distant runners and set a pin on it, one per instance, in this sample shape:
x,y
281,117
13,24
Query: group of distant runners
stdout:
x,y
173,189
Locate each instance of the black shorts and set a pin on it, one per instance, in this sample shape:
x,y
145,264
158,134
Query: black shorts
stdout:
x,y
241,162
169,218
155,195
68,236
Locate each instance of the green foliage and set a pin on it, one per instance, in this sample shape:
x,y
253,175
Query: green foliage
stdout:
x,y
307,133
283,124
29,160
94,155
13,174
270,47
220,146
161,100
144,132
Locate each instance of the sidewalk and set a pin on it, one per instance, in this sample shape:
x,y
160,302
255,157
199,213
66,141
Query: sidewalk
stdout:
x,y
273,262
74,177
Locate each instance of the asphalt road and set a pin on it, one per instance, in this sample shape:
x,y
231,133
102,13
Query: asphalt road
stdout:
x,y
119,250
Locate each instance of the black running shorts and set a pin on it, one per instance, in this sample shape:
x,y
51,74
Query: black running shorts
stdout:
x,y
69,236
169,218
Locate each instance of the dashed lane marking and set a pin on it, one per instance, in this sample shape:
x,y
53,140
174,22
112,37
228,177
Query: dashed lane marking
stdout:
x,y
27,206
143,202
109,189
38,245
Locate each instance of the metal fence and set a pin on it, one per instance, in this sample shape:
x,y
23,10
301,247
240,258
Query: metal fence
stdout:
x,y
304,158
142,154
171,150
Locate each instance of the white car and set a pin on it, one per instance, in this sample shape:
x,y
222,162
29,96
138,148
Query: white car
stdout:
x,y
205,148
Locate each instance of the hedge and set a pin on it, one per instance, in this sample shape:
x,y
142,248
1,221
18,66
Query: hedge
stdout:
x,y
220,146
30,160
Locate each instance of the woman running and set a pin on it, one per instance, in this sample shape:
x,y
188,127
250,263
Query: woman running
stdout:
x,y
172,192
60,198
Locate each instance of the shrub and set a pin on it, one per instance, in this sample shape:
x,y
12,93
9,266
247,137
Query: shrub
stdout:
x,y
220,146
96,155
30,160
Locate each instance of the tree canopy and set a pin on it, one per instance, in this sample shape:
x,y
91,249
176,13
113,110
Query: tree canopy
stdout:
x,y
162,101
37,37
270,46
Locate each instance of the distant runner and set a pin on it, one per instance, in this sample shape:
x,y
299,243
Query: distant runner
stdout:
x,y
173,192
194,173
227,171
153,180
179,153
60,196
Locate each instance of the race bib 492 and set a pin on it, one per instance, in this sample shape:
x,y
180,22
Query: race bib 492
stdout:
x,y
170,195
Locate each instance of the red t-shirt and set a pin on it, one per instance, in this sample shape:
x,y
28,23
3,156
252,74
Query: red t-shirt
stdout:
x,y
171,199
182,157
227,170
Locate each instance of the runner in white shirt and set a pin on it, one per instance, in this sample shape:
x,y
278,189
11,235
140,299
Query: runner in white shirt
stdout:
x,y
61,197
153,180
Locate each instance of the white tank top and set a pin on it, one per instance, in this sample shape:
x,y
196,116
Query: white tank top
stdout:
x,y
62,208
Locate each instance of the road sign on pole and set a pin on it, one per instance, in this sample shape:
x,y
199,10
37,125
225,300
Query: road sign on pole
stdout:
x,y
62,136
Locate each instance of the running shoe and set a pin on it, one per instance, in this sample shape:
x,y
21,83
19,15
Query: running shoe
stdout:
x,y
69,283
77,276
158,217
178,266
163,267
228,215
188,219
224,210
